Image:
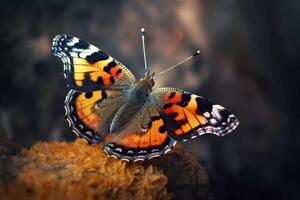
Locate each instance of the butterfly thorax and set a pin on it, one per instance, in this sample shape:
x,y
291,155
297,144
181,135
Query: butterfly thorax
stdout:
x,y
140,90
136,97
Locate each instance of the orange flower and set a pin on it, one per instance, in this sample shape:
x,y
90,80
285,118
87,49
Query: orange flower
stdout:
x,y
78,170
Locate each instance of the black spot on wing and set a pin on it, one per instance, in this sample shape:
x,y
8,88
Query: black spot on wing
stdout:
x,y
112,80
82,129
203,105
104,95
171,123
172,95
224,118
88,95
162,129
149,124
119,71
100,81
168,105
82,45
172,116
154,118
96,56
109,66
185,99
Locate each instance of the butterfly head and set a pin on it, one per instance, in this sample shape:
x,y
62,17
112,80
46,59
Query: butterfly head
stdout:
x,y
148,80
140,90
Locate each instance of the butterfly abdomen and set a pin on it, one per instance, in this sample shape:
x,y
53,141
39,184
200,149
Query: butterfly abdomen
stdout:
x,y
123,117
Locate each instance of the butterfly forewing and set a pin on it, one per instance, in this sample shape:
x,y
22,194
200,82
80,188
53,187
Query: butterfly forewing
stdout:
x,y
187,115
87,68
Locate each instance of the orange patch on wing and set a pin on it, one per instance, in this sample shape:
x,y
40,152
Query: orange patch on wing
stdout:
x,y
80,62
104,76
175,109
180,113
156,138
169,110
202,119
186,127
85,68
191,118
95,75
163,136
129,140
82,113
102,63
156,124
97,95
79,76
79,83
179,132
192,107
82,67
92,120
151,138
114,71
176,99
145,140
85,108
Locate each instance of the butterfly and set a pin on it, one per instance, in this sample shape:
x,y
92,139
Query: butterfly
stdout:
x,y
105,99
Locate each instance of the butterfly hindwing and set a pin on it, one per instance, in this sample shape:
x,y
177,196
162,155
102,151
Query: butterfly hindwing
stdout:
x,y
87,68
89,113
145,137
187,115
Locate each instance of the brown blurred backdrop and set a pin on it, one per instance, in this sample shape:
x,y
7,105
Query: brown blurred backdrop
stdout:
x,y
249,64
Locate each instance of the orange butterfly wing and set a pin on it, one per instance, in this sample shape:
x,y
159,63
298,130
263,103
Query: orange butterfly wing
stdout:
x,y
96,80
145,138
89,113
87,68
175,115
187,115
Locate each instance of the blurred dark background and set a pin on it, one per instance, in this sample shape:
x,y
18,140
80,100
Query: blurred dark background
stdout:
x,y
249,64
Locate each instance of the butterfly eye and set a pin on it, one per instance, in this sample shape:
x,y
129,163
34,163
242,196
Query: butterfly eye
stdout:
x,y
151,82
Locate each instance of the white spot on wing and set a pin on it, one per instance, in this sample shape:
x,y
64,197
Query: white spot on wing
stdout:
x,y
73,54
83,55
73,41
75,132
157,155
215,111
138,159
130,152
213,121
168,150
207,114
89,133
69,122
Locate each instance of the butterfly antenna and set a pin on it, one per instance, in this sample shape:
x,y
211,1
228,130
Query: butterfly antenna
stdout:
x,y
178,64
144,49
